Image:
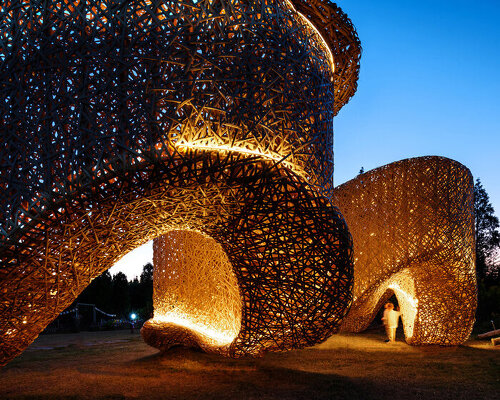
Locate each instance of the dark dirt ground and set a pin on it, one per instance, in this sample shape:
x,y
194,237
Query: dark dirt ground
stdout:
x,y
119,365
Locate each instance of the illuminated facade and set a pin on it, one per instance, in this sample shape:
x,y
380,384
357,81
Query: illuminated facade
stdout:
x,y
412,224
196,294
210,122
128,120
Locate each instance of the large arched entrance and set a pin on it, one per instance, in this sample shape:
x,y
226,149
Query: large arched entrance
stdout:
x,y
127,120
289,248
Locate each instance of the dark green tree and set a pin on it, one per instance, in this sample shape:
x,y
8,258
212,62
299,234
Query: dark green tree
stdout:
x,y
147,274
120,302
136,301
115,294
146,291
141,293
98,292
487,232
487,246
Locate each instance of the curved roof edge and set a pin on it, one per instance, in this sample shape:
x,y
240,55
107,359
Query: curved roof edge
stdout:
x,y
422,160
340,35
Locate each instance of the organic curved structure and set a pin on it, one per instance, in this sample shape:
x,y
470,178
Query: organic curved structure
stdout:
x,y
412,223
127,120
196,293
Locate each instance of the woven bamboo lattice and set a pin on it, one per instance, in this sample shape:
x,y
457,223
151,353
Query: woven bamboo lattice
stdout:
x,y
124,120
196,296
412,224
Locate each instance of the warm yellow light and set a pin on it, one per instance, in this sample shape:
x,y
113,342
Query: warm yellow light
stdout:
x,y
399,291
222,147
408,304
195,288
311,26
218,338
419,211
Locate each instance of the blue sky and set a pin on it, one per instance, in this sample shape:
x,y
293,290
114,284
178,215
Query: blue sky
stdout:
x,y
429,85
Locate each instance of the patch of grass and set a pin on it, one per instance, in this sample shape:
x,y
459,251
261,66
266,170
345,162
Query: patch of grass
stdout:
x,y
119,365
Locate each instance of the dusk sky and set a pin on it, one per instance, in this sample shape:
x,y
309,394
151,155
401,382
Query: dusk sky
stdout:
x,y
429,85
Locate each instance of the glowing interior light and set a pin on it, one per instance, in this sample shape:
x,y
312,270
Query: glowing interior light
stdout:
x,y
194,288
407,301
410,299
311,26
219,338
242,150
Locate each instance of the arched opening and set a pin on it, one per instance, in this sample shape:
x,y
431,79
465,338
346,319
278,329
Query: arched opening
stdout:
x,y
368,309
388,297
403,286
257,217
195,288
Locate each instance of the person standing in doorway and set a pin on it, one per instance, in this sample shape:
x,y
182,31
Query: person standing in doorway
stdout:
x,y
385,320
391,320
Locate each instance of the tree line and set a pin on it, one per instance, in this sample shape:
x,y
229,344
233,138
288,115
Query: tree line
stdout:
x,y
117,295
487,260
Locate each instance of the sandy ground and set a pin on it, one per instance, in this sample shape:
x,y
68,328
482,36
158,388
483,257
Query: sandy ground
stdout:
x,y
118,365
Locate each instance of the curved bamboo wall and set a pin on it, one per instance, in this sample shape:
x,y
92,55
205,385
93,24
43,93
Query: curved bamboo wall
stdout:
x,y
122,121
412,224
196,295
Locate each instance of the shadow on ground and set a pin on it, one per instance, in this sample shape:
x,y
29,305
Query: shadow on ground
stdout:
x,y
120,366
